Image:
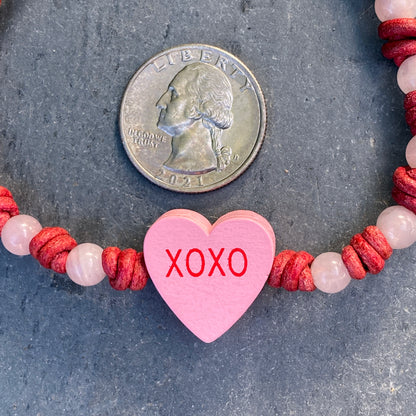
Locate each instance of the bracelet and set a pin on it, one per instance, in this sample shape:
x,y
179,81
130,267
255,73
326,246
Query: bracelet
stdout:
x,y
88,264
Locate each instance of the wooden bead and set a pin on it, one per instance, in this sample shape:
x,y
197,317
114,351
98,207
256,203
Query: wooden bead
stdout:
x,y
209,274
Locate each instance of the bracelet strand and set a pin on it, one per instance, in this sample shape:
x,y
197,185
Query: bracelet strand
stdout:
x,y
367,252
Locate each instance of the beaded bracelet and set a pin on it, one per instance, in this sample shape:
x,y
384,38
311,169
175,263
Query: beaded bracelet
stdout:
x,y
87,264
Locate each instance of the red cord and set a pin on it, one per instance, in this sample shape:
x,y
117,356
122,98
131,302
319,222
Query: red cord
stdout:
x,y
397,29
8,206
51,248
404,191
367,252
291,271
125,269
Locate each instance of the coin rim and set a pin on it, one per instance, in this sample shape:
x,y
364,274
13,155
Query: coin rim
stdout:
x,y
249,160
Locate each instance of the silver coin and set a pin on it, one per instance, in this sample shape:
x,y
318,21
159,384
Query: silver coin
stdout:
x,y
192,118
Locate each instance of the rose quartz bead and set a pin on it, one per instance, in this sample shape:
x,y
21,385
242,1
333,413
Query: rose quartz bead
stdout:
x,y
398,225
329,273
394,9
406,75
17,233
411,152
84,265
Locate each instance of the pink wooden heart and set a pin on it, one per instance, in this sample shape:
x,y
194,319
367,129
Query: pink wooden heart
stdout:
x,y
209,274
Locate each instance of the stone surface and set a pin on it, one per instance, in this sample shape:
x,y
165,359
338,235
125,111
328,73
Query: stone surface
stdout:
x,y
336,132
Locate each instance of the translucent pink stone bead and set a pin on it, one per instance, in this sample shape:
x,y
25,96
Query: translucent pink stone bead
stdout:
x,y
398,225
394,9
84,265
329,273
17,233
406,75
411,152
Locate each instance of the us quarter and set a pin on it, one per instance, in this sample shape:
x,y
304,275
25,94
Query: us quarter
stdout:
x,y
192,118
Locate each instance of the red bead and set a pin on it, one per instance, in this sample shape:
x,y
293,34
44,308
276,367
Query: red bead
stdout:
x,y
125,269
51,248
372,261
397,29
353,263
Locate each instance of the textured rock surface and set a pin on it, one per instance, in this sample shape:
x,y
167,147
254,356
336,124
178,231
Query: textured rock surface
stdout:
x,y
336,132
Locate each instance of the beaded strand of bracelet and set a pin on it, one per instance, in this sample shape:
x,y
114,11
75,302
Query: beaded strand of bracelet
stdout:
x,y
88,264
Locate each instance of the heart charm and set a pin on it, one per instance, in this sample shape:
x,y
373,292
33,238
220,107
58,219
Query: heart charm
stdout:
x,y
209,274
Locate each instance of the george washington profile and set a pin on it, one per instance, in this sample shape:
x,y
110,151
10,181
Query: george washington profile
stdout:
x,y
195,110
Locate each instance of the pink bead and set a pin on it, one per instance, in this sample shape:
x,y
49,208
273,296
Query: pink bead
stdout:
x,y
329,273
398,225
18,232
394,9
84,265
411,152
406,75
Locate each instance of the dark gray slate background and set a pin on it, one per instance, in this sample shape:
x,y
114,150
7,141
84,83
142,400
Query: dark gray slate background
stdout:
x,y
336,132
